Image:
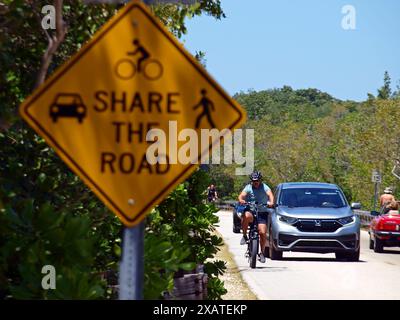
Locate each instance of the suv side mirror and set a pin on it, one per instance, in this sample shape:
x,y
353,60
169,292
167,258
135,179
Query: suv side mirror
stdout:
x,y
375,213
356,205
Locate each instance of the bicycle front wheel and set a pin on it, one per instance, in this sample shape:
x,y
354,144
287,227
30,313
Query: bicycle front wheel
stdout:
x,y
253,252
153,69
125,69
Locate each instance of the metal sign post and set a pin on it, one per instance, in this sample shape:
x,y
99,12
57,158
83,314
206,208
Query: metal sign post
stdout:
x,y
376,179
131,268
375,195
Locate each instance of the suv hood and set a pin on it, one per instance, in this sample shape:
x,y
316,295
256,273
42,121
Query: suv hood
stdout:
x,y
315,213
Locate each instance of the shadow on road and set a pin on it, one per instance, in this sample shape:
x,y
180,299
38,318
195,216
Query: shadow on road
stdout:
x,y
390,252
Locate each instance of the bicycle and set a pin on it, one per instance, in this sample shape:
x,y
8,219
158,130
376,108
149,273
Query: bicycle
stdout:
x,y
253,241
126,69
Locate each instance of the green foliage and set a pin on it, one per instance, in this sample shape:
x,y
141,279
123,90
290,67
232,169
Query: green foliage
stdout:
x,y
173,14
41,236
43,221
186,225
162,260
223,182
286,104
215,289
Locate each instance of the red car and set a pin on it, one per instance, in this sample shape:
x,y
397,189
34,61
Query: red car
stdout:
x,y
384,230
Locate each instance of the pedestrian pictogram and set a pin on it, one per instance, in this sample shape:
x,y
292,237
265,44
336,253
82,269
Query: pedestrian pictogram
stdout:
x,y
207,106
100,109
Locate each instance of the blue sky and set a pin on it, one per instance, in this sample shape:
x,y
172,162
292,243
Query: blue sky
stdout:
x,y
265,44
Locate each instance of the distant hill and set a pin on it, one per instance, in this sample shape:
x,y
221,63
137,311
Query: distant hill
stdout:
x,y
283,104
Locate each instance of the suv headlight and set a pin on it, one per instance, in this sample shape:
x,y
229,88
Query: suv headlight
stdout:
x,y
287,219
346,220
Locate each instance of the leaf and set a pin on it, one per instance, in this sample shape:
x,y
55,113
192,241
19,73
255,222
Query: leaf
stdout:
x,y
187,266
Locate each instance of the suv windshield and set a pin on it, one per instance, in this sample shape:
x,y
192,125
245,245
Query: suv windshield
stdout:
x,y
312,197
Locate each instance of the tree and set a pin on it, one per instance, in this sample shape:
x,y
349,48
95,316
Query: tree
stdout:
x,y
385,92
396,93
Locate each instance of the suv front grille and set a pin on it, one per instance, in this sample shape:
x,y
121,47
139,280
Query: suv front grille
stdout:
x,y
318,244
349,241
315,225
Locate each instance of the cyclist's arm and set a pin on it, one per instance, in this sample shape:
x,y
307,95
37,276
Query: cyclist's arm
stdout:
x,y
242,197
271,197
132,53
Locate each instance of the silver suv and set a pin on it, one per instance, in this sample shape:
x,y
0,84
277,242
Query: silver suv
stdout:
x,y
313,217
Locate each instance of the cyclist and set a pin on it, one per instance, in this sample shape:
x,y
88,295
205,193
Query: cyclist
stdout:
x,y
144,54
212,193
259,192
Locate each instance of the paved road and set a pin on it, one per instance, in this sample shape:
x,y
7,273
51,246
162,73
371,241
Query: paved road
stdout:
x,y
317,276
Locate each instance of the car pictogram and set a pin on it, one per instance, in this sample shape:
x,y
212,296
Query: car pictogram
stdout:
x,y
68,105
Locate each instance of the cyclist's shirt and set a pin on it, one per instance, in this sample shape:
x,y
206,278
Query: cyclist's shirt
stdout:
x,y
144,52
258,195
211,193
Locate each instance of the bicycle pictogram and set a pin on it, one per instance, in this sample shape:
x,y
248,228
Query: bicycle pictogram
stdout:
x,y
127,68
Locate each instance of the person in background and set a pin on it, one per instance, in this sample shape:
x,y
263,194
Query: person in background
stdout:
x,y
392,208
212,194
386,197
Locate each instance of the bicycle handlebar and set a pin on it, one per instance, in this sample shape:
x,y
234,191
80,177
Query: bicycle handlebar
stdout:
x,y
254,203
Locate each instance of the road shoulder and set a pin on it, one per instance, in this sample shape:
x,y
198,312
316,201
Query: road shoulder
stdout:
x,y
233,281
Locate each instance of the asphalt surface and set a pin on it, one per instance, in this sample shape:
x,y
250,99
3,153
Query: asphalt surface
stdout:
x,y
312,276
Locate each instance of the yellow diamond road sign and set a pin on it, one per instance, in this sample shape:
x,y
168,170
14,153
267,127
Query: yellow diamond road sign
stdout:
x,y
98,108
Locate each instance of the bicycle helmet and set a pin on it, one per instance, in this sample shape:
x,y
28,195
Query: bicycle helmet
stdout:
x,y
256,175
